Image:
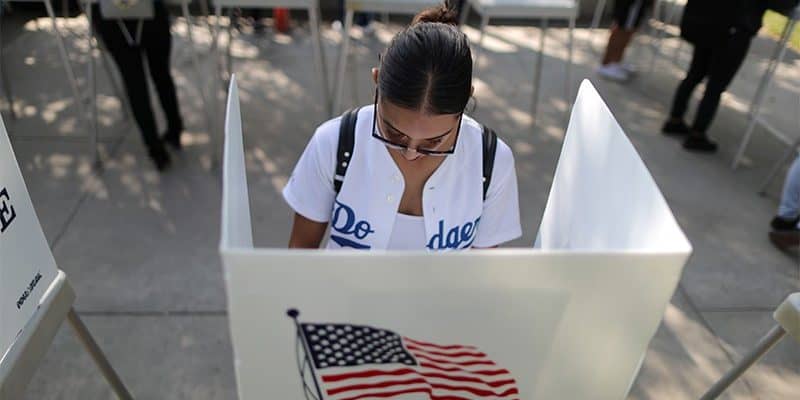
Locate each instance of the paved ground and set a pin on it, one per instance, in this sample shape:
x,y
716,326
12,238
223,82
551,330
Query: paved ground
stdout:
x,y
140,248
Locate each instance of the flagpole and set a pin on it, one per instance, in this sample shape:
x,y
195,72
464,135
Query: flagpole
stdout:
x,y
294,313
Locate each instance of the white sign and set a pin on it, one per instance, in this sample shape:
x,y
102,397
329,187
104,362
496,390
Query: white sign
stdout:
x,y
507,323
26,264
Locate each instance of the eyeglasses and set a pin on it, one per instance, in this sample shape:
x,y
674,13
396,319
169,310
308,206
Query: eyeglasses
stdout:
x,y
401,142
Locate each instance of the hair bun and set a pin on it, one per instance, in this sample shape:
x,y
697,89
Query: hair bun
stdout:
x,y
441,13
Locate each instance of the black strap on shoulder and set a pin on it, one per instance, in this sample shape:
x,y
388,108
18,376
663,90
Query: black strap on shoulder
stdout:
x,y
344,151
489,150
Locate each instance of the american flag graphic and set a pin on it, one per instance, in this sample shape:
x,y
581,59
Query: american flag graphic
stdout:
x,y
355,362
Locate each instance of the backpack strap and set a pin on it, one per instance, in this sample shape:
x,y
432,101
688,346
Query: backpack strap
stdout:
x,y
489,151
344,151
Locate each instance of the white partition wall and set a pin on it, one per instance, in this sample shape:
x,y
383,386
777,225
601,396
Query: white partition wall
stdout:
x,y
236,227
571,323
27,267
603,197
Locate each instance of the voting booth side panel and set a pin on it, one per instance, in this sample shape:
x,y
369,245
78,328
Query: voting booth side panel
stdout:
x,y
236,223
27,267
561,325
603,197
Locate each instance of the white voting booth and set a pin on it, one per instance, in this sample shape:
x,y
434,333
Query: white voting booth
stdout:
x,y
569,319
35,297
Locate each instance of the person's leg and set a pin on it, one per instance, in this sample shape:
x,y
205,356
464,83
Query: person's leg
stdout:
x,y
789,208
628,15
724,66
701,61
786,225
617,42
130,65
157,44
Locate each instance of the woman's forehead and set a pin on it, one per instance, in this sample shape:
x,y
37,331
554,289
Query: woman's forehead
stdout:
x,y
417,124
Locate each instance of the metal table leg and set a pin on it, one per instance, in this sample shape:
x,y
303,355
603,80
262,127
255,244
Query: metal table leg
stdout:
x,y
538,74
319,57
4,73
763,87
343,54
196,60
568,79
99,358
65,59
599,10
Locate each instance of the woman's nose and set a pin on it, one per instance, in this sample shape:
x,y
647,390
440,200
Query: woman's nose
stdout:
x,y
411,154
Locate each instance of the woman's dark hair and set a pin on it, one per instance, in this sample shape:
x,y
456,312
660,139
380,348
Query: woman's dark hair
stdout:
x,y
428,66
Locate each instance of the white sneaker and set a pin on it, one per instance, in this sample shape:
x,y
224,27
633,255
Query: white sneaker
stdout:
x,y
613,72
369,30
630,68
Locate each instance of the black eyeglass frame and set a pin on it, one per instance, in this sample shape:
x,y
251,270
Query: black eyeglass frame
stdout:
x,y
404,148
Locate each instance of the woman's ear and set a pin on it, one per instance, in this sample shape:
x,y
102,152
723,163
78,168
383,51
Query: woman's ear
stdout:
x,y
375,75
472,91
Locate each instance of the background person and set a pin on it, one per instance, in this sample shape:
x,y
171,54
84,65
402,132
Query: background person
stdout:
x,y
721,31
129,51
786,224
628,16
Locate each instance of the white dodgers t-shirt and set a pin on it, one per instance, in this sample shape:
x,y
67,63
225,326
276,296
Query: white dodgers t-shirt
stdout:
x,y
364,213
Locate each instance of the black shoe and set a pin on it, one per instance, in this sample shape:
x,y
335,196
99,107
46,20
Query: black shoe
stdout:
x,y
699,143
173,140
672,128
160,157
258,27
785,240
784,224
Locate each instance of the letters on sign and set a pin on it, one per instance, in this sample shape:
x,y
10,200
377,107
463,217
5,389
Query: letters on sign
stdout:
x,y
7,213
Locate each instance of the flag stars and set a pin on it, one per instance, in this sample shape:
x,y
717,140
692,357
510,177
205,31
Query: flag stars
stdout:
x,y
333,345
